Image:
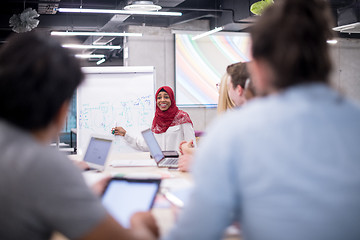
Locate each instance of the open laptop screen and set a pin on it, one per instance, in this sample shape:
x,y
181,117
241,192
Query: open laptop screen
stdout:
x,y
97,151
153,145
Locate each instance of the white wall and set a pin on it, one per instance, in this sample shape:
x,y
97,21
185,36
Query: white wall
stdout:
x,y
154,48
346,74
201,117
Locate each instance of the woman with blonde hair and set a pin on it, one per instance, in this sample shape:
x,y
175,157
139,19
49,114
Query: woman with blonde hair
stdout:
x,y
234,84
235,87
224,102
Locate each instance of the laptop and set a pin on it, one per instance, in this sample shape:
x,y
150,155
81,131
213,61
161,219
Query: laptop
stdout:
x,y
168,159
97,153
155,150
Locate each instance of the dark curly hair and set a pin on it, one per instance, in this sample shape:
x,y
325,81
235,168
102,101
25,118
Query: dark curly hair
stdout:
x,y
37,75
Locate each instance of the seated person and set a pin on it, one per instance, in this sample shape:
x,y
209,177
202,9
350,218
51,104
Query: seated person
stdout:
x,y
224,102
170,126
250,91
236,89
238,75
286,166
41,191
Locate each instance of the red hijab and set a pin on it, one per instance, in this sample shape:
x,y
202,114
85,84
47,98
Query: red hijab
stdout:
x,y
171,117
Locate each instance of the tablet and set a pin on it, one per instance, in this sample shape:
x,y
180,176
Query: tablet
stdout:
x,y
124,197
97,152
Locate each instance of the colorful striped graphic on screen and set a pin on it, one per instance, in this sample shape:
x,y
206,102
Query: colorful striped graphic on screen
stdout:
x,y
200,65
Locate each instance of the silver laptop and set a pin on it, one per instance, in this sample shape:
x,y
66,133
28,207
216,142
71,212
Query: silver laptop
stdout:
x,y
156,152
97,153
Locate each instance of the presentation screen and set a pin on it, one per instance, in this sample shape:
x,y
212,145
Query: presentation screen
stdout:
x,y
201,63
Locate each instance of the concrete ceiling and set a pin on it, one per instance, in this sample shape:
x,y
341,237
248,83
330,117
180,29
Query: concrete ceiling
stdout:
x,y
191,9
233,14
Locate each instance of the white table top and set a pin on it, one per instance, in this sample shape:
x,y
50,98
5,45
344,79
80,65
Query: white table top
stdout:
x,y
163,211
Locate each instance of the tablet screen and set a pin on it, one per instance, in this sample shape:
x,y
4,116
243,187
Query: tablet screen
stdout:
x,y
124,197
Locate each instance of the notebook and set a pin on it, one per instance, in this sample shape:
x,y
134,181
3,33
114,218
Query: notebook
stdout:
x,y
97,153
133,163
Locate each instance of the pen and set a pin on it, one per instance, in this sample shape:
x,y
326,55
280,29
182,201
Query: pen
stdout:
x,y
172,198
113,131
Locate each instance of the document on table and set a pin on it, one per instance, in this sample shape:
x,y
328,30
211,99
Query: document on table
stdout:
x,y
133,163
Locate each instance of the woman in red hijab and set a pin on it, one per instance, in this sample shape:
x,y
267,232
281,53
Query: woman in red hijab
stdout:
x,y
170,126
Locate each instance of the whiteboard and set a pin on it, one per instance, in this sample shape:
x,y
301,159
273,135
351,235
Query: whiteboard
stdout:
x,y
114,95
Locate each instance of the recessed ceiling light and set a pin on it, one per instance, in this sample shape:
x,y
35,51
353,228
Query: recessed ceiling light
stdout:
x,y
90,46
103,34
100,61
89,55
348,27
218,29
124,12
332,41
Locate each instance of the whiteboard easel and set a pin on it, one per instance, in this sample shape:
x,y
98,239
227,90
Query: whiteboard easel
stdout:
x,y
115,95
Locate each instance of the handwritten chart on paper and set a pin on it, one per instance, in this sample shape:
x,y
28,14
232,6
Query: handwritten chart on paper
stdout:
x,y
115,95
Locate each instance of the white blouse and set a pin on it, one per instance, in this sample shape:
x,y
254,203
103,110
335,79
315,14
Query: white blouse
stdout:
x,y
168,141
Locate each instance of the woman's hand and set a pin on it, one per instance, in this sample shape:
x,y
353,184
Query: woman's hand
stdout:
x,y
118,131
180,147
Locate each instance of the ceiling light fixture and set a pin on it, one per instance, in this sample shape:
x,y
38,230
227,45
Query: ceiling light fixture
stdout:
x,y
218,29
332,41
103,34
347,27
103,41
124,12
90,46
142,6
100,61
89,55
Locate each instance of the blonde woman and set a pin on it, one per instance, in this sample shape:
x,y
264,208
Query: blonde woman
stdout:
x,y
224,102
235,89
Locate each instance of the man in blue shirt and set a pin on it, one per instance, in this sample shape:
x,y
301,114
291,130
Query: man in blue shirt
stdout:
x,y
286,166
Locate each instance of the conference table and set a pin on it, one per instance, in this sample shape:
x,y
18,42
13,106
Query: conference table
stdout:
x,y
164,211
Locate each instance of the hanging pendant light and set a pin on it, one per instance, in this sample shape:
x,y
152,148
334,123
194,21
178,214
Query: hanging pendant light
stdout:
x,y
146,6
